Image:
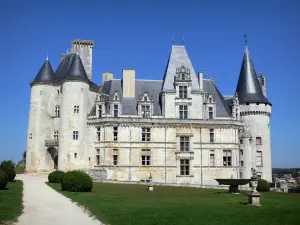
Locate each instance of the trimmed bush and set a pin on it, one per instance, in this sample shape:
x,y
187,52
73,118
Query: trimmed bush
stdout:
x,y
55,176
76,181
3,180
10,173
263,185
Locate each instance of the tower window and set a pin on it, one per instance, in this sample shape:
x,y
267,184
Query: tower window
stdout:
x,y
184,144
182,91
75,155
98,133
258,141
241,152
30,136
57,111
259,158
242,163
211,135
115,133
75,135
184,167
146,134
55,135
210,113
116,110
115,157
226,157
76,108
183,111
241,141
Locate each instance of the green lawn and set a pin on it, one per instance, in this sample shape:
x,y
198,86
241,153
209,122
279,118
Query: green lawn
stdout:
x,y
123,204
11,201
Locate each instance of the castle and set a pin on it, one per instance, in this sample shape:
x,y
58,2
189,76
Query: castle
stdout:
x,y
180,129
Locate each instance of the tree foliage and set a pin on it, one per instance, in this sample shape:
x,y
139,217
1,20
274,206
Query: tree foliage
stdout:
x,y
7,164
282,171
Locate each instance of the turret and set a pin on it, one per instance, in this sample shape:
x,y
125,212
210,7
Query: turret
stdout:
x,y
73,148
255,112
39,118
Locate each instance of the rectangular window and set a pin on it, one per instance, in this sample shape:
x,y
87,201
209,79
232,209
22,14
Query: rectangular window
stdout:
x,y
98,160
98,134
182,91
258,141
241,141
146,134
183,111
115,160
75,155
75,135
146,157
98,151
116,110
242,163
184,167
55,135
259,158
226,157
211,135
241,152
76,108
100,110
184,144
30,136
145,109
212,158
210,113
57,111
115,133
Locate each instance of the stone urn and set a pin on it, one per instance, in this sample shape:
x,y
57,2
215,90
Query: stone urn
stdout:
x,y
254,195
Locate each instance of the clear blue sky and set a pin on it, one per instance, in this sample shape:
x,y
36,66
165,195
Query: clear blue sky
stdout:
x,y
138,34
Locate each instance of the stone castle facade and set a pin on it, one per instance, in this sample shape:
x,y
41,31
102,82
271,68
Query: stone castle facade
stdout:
x,y
180,129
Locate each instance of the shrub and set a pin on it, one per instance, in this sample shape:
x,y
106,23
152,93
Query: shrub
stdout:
x,y
76,181
10,173
7,164
3,180
263,185
56,176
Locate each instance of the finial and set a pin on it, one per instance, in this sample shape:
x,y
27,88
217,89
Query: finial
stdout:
x,y
182,40
47,56
246,41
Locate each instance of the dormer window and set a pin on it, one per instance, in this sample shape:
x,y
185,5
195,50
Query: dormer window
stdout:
x,y
116,96
182,91
145,110
182,74
145,105
145,98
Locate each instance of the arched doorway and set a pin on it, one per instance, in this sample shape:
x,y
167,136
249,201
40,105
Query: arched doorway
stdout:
x,y
54,156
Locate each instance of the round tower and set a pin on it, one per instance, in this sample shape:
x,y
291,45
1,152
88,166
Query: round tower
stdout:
x,y
255,112
73,140
39,119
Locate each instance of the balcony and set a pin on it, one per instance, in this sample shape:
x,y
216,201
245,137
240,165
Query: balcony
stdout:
x,y
51,143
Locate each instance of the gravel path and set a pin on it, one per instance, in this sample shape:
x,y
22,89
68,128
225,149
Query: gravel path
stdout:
x,y
45,206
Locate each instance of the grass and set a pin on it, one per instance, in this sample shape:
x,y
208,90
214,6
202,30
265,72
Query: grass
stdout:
x,y
126,204
11,202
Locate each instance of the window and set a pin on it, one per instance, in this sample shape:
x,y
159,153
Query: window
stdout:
x,y
75,135
75,155
211,135
57,111
98,133
76,108
55,135
30,136
100,110
183,76
212,158
116,97
183,111
259,158
145,109
146,134
184,167
115,133
98,156
182,91
115,160
58,91
258,141
226,157
184,144
145,98
210,113
242,163
241,152
116,110
146,157
241,141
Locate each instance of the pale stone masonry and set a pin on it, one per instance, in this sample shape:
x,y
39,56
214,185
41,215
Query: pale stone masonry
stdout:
x,y
180,129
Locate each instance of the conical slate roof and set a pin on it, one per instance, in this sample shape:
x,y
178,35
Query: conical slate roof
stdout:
x,y
248,87
45,75
178,57
76,70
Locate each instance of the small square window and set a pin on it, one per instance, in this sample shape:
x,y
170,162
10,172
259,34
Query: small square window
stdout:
x,y
76,108
258,141
75,135
75,155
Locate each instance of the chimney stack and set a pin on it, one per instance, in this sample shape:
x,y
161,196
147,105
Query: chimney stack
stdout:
x,y
128,83
106,76
200,79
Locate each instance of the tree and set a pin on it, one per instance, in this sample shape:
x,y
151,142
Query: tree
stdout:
x,y
7,164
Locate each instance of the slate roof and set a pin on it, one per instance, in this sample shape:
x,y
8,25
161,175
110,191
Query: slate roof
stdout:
x,y
153,88
248,87
45,75
178,57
